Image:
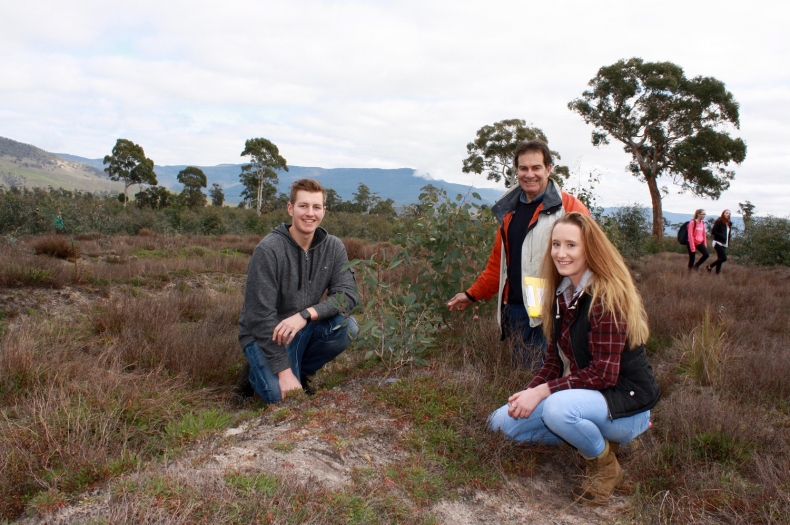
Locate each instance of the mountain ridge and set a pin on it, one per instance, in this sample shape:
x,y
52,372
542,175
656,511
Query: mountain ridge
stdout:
x,y
402,185
32,166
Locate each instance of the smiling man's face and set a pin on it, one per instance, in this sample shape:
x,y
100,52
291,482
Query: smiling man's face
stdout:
x,y
533,175
307,211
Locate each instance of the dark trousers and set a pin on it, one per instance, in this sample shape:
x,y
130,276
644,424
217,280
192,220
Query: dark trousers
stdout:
x,y
721,253
701,248
528,343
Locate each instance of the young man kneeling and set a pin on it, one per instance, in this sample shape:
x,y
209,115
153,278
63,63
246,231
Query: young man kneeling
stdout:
x,y
286,331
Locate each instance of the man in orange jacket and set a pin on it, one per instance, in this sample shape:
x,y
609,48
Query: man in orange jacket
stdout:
x,y
526,214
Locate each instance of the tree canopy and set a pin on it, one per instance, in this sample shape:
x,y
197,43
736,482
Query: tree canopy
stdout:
x,y
493,148
747,210
154,197
193,180
364,199
216,194
259,176
129,164
671,125
333,199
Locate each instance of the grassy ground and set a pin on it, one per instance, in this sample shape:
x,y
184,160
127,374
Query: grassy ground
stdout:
x,y
115,368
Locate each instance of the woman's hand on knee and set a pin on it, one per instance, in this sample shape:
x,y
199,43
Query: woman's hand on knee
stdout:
x,y
521,404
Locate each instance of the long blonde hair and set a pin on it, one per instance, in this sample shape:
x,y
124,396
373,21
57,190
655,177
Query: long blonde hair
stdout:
x,y
612,282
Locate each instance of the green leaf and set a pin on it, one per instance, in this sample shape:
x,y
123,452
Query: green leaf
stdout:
x,y
395,263
367,326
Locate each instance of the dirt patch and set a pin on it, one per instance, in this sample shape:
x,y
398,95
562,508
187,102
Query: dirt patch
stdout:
x,y
324,440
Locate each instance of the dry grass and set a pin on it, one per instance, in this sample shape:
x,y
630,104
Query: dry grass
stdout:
x,y
359,249
183,332
55,246
704,349
21,269
71,416
708,454
96,390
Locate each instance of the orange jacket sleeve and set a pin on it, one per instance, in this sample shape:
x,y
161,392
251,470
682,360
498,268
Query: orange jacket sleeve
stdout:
x,y
487,285
571,203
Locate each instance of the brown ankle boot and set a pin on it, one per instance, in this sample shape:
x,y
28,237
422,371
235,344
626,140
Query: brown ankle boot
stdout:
x,y
602,476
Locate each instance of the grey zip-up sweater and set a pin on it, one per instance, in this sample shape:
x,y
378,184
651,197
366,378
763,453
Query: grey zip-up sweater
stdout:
x,y
283,279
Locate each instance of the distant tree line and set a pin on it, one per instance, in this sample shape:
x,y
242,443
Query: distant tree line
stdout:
x,y
128,164
26,211
763,240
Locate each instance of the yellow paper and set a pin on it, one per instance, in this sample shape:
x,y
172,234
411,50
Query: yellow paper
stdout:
x,y
533,290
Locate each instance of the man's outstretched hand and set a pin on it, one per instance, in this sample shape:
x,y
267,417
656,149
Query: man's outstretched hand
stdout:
x,y
459,302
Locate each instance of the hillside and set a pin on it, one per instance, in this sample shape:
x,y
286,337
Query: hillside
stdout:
x,y
402,185
25,165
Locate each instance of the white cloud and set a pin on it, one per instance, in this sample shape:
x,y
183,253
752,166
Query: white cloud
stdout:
x,y
376,83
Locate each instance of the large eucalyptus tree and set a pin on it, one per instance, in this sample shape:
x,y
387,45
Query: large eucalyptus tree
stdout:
x,y
670,125
129,164
260,176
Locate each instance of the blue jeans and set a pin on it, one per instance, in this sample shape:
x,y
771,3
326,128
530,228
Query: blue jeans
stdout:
x,y
577,416
312,347
528,343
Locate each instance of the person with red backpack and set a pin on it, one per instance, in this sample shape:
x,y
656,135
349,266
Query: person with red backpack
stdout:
x,y
698,240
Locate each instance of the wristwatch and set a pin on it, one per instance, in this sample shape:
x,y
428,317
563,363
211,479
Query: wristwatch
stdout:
x,y
305,315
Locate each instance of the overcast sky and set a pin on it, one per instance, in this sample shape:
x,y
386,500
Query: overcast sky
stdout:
x,y
383,84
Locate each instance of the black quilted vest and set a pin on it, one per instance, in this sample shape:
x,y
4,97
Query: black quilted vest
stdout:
x,y
636,389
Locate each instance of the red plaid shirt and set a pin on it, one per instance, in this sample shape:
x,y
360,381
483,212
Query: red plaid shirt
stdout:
x,y
606,342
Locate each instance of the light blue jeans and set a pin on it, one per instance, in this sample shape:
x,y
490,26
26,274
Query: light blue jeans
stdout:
x,y
577,416
312,347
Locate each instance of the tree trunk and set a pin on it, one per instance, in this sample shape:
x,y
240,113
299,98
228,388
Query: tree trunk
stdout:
x,y
260,194
658,214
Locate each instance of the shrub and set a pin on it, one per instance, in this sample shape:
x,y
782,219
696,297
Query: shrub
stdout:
x,y
766,241
368,227
402,320
397,328
629,229
449,245
55,246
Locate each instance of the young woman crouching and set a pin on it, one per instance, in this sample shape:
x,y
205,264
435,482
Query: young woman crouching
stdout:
x,y
596,387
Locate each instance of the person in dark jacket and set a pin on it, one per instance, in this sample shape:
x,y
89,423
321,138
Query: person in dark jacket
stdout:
x,y
722,228
286,330
596,388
